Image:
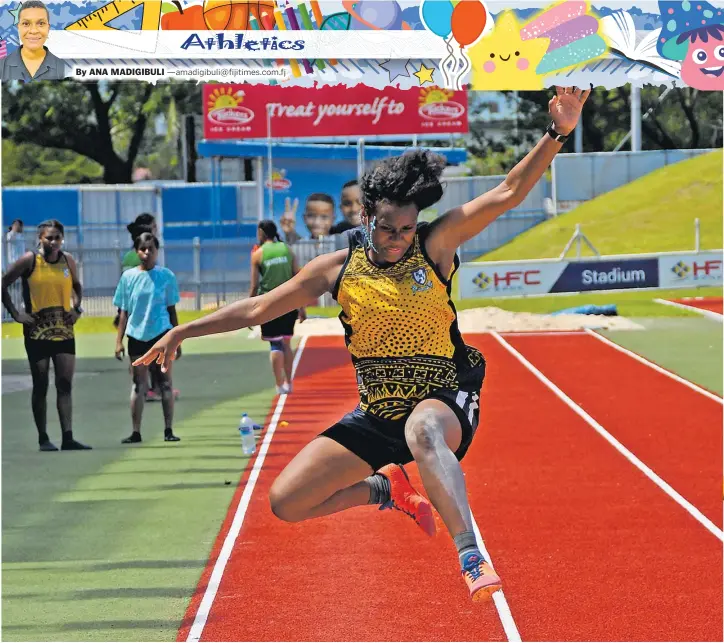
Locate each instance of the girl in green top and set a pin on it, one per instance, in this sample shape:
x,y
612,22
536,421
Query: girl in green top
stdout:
x,y
273,264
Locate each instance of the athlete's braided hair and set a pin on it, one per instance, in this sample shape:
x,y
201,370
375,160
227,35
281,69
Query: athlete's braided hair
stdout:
x,y
413,177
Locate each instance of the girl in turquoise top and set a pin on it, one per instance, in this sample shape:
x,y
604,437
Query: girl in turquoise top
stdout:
x,y
144,222
146,296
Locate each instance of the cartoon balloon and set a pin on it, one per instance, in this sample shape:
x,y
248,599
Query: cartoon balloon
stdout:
x,y
468,21
437,16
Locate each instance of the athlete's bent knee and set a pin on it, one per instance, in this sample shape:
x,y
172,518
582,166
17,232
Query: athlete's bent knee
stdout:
x,y
423,433
281,507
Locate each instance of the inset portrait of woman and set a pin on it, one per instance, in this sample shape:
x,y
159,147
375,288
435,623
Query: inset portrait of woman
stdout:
x,y
32,60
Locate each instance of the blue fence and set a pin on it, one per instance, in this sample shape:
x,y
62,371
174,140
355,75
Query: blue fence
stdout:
x,y
98,215
224,217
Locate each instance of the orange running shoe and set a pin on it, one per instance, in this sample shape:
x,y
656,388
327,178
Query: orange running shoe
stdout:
x,y
405,498
481,580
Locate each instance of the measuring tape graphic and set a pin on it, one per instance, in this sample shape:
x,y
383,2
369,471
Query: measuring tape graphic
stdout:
x,y
98,20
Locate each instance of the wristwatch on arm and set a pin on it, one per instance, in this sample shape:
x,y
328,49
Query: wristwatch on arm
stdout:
x,y
551,131
78,309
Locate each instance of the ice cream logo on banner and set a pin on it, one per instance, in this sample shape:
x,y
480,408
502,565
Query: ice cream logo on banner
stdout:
x,y
436,104
279,180
224,107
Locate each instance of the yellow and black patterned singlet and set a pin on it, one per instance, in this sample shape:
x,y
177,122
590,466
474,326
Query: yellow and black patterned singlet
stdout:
x,y
47,294
401,329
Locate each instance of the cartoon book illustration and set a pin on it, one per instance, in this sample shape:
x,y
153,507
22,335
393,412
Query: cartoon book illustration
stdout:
x,y
620,32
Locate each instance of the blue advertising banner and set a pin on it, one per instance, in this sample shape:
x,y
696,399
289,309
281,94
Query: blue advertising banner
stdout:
x,y
581,276
530,277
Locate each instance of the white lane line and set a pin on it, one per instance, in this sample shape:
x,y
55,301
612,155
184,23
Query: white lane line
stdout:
x,y
506,618
202,614
702,311
540,333
659,482
656,367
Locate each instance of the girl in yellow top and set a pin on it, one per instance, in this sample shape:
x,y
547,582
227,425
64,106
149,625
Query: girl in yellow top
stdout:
x,y
419,383
50,281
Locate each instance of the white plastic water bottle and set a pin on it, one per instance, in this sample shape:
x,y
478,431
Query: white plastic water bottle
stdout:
x,y
246,428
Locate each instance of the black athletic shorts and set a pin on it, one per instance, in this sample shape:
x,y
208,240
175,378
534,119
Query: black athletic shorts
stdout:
x,y
137,348
40,349
280,327
379,442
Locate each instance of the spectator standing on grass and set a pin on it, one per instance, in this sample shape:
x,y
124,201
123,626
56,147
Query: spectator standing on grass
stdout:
x,y
273,264
147,296
52,294
144,222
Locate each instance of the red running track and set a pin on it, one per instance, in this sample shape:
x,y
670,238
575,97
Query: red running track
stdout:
x,y
589,549
359,575
714,304
675,430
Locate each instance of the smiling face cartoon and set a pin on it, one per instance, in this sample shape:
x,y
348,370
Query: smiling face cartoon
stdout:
x,y
503,60
703,65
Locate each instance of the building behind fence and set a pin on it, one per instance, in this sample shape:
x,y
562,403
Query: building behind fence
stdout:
x,y
211,259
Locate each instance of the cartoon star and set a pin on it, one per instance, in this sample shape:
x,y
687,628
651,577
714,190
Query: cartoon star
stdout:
x,y
15,12
395,68
424,74
502,60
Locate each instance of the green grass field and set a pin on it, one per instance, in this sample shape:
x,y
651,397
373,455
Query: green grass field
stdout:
x,y
109,544
652,214
691,348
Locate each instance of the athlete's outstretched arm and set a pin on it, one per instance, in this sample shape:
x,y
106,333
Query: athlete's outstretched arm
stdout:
x,y
464,222
310,283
